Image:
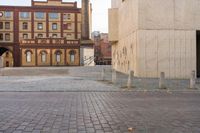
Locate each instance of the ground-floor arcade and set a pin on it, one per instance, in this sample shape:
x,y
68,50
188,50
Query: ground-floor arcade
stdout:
x,y
55,56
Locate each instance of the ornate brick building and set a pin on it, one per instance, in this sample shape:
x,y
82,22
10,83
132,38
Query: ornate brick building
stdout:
x,y
47,33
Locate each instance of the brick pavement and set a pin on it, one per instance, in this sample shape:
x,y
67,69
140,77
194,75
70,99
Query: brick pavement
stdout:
x,y
99,112
74,101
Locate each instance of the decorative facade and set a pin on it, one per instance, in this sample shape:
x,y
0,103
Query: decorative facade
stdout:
x,y
47,33
153,36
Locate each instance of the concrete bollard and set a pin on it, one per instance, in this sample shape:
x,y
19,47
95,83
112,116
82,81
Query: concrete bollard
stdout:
x,y
162,81
192,80
114,76
130,77
103,74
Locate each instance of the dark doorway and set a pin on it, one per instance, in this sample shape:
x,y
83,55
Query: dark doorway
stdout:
x,y
198,53
7,56
7,64
3,50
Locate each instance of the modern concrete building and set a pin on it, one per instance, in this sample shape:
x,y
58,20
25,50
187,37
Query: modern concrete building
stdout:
x,y
47,33
153,36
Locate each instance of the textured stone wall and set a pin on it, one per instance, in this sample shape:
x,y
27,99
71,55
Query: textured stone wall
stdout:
x,y
170,14
156,36
169,51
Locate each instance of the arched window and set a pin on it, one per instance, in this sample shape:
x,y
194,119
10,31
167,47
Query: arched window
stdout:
x,y
72,56
28,56
58,56
43,56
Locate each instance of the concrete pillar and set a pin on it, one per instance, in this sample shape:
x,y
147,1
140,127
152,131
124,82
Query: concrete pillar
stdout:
x,y
114,76
103,74
162,81
130,77
1,62
85,13
192,80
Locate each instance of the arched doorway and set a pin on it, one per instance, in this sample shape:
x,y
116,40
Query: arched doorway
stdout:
x,y
6,56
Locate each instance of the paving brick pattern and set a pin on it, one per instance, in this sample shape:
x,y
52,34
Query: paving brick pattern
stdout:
x,y
73,100
99,112
52,83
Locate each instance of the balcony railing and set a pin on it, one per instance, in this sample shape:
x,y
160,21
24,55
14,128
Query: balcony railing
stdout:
x,y
49,41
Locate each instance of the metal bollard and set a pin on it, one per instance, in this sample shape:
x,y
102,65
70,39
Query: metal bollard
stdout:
x,y
162,81
114,76
103,74
192,80
130,77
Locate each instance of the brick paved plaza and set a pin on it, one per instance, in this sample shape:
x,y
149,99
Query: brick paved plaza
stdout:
x,y
93,106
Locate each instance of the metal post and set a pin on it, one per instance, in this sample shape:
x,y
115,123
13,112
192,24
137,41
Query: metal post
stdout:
x,y
130,77
192,80
114,76
162,81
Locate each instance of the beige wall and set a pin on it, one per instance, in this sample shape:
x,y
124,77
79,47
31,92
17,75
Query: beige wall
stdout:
x,y
113,24
115,3
124,53
178,14
169,51
154,38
